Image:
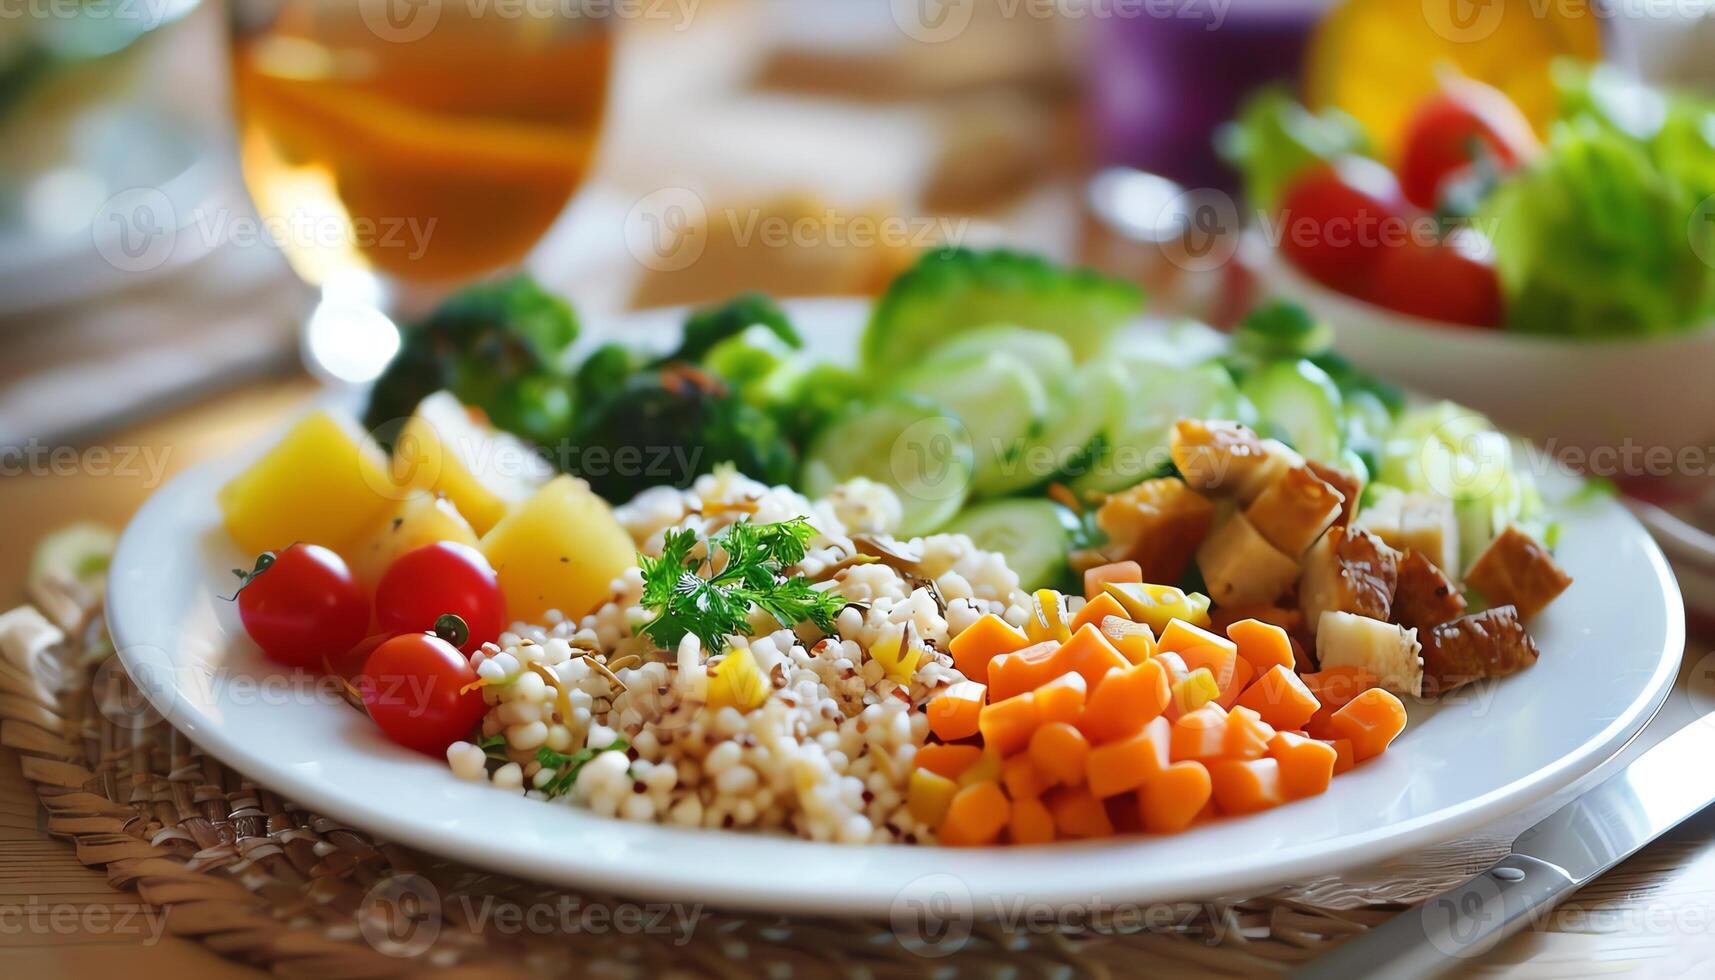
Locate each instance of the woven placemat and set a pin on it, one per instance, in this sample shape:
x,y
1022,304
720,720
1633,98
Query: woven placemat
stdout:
x,y
259,879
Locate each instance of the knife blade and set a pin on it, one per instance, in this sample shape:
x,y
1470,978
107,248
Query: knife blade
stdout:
x,y
1571,847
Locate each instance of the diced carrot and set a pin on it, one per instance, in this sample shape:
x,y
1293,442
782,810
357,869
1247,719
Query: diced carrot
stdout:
x,y
947,760
954,712
977,815
1061,699
1199,735
1306,765
1127,764
1174,664
1134,641
1089,653
1245,785
987,769
1096,610
1280,697
1196,689
1060,753
1101,575
1372,720
1219,661
1012,674
1344,760
1006,726
1126,701
1239,683
1180,636
1335,686
1171,800
1263,645
1247,735
982,641
1022,779
1079,814
1031,822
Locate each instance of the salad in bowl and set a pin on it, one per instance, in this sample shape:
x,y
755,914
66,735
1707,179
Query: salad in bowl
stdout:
x,y
1523,274
1012,576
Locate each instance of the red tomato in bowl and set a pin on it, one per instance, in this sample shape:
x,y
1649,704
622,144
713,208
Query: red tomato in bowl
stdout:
x,y
1451,281
417,688
1336,220
302,604
1451,130
432,581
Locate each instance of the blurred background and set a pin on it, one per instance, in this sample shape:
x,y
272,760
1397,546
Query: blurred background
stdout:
x,y
197,196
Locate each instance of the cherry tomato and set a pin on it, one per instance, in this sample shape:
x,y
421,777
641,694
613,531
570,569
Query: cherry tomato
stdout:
x,y
1336,220
435,580
415,687
302,604
1450,282
349,663
1451,130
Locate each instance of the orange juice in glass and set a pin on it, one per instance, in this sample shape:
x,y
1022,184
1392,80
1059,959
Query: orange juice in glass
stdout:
x,y
423,142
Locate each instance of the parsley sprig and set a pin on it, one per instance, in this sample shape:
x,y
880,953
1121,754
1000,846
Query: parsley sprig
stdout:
x,y
567,767
690,595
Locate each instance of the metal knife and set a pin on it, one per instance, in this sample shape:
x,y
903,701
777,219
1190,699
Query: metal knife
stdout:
x,y
1577,843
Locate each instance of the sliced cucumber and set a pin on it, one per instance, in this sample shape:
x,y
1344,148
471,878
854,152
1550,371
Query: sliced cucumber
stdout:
x,y
1001,402
1034,535
910,444
1153,396
1082,407
1299,402
78,551
1044,353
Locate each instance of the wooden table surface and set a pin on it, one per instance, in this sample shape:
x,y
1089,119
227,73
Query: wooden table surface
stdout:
x,y
1654,914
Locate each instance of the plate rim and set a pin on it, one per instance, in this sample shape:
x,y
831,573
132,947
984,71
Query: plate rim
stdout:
x,y
816,897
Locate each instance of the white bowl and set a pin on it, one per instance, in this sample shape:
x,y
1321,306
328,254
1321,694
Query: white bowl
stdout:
x,y
1614,402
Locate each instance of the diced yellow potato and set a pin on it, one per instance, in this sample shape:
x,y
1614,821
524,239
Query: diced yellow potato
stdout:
x,y
898,652
736,682
560,549
482,471
325,483
1047,618
422,518
928,795
1195,690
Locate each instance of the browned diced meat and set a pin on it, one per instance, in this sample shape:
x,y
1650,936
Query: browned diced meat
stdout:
x,y
1349,486
1515,570
1215,456
1348,570
1490,644
1240,567
1158,524
1294,511
1424,597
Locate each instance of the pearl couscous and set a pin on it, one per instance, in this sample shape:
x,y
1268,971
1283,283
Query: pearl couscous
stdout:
x,y
826,749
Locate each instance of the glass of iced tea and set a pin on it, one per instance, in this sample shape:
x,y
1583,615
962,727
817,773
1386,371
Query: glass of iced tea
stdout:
x,y
420,144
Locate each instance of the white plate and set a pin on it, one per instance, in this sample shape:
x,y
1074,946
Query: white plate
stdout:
x,y
1611,646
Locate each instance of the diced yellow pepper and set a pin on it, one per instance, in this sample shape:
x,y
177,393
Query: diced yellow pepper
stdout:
x,y
928,795
1157,605
325,483
736,682
1195,690
898,652
561,549
482,471
986,769
1047,618
421,519
1180,636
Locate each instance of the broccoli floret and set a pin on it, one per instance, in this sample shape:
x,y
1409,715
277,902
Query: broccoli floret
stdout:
x,y
497,346
951,290
709,326
670,425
